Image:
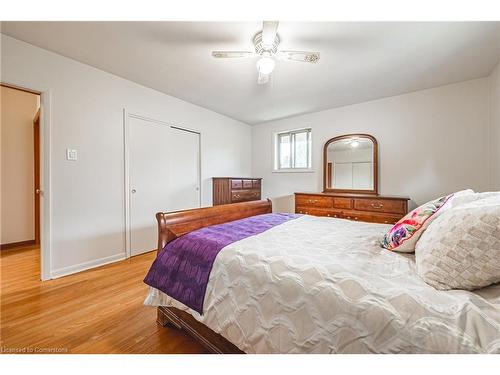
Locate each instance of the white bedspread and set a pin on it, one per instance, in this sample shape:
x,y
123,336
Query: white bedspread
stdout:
x,y
321,285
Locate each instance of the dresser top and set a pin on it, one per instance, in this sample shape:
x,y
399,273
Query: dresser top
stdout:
x,y
352,195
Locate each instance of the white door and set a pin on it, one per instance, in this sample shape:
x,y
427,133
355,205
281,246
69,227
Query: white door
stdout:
x,y
342,175
163,176
148,181
362,176
184,157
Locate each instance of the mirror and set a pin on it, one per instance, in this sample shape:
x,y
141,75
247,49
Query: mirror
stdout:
x,y
350,164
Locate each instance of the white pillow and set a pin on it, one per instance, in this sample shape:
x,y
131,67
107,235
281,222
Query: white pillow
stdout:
x,y
468,196
461,248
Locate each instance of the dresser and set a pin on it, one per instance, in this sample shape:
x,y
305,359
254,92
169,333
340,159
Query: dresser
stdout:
x,y
371,208
235,189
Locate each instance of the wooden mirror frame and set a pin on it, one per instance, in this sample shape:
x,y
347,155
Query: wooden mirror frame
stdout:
x,y
326,173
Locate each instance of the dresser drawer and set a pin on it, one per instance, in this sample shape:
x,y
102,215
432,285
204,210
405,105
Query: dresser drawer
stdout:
x,y
244,195
371,217
380,205
236,184
256,184
313,201
319,212
345,203
247,184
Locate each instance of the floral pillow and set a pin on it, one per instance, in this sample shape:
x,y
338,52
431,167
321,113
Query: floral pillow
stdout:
x,y
404,235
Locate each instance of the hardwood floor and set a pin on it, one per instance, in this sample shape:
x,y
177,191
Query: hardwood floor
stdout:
x,y
96,311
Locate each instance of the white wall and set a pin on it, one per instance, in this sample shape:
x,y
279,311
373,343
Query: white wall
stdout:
x,y
18,108
86,114
431,142
495,127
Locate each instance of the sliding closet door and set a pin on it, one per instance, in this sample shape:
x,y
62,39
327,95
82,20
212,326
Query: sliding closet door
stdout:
x,y
342,175
164,175
149,181
362,176
184,169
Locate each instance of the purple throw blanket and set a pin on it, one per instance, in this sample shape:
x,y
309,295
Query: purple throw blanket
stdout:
x,y
183,267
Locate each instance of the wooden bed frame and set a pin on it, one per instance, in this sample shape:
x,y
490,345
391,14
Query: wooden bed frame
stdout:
x,y
172,225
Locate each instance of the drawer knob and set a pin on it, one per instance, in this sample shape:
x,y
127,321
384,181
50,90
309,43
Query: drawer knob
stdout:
x,y
377,205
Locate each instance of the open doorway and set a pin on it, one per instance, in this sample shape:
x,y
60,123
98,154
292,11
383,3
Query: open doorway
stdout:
x,y
20,174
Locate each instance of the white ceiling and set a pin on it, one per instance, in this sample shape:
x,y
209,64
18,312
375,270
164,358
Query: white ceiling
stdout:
x,y
360,61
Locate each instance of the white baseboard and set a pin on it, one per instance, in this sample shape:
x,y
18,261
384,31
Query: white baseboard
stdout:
x,y
86,265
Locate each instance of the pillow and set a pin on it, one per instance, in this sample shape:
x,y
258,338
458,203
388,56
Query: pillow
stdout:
x,y
467,196
461,248
405,233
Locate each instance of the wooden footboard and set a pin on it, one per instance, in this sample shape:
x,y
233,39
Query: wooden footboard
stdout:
x,y
172,225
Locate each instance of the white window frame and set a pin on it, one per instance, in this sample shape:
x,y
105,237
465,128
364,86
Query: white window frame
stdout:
x,y
276,151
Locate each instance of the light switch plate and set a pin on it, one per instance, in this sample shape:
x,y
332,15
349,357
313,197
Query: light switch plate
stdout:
x,y
71,154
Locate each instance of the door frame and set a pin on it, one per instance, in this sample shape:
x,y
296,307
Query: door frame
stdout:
x,y
36,160
126,192
45,177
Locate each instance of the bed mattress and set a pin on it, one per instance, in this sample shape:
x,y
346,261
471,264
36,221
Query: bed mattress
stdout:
x,y
322,285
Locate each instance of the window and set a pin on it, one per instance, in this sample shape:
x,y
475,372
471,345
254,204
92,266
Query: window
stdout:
x,y
293,150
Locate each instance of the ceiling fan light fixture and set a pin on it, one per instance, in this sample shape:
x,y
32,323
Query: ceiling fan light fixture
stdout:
x,y
265,65
354,143
266,44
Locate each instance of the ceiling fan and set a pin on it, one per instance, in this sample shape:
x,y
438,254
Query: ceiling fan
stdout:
x,y
266,47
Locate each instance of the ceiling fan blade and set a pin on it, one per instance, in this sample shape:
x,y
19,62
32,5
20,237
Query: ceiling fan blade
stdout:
x,y
304,56
262,78
232,54
269,30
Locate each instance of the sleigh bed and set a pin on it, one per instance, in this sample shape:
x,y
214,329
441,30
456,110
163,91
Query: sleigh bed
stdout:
x,y
319,285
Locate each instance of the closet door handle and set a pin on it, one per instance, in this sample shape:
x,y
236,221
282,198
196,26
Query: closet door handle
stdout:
x,y
133,191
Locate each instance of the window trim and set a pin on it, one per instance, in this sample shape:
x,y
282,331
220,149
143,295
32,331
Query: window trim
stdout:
x,y
277,151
